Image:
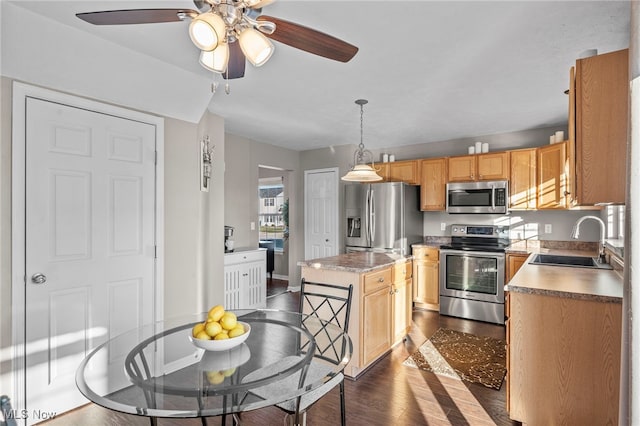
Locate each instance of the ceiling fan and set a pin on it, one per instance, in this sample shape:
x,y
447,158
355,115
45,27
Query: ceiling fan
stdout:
x,y
228,31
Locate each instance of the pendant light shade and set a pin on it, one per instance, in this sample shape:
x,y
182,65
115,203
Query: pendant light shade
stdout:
x,y
216,60
361,171
207,30
255,46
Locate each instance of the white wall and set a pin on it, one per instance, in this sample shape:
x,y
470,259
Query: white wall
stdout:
x,y
194,223
243,157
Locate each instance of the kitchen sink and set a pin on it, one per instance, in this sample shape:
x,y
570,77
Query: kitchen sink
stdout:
x,y
575,261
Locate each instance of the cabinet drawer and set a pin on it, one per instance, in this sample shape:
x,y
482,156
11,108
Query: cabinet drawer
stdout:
x,y
402,271
375,280
245,256
426,254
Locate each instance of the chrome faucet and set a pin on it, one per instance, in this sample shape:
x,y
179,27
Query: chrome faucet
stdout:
x,y
576,232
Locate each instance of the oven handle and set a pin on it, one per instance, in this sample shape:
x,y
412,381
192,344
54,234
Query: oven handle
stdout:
x,y
490,254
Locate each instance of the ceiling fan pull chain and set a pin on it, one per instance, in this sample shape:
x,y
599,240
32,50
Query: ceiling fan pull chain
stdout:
x,y
227,88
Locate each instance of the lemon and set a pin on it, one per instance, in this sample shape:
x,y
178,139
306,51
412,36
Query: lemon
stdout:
x,y
221,336
228,372
216,313
215,377
228,321
212,328
203,336
197,329
238,330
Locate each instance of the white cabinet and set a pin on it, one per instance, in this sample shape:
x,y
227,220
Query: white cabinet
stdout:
x,y
245,279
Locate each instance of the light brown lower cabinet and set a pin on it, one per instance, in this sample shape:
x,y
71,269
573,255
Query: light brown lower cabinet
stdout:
x,y
426,291
380,309
563,360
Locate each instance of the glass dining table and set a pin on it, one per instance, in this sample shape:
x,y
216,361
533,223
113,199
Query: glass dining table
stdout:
x,y
155,370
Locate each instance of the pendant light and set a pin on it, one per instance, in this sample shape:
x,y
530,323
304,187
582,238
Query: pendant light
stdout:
x,y
361,171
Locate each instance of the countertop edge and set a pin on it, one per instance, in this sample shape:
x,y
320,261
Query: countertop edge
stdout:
x,y
373,261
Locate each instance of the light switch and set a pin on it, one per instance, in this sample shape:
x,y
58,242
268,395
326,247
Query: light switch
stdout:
x,y
253,226
443,226
548,228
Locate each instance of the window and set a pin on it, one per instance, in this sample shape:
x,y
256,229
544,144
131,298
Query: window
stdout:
x,y
272,206
615,222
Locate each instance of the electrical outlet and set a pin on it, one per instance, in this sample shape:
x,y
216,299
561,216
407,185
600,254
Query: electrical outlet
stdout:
x,y
548,228
253,226
443,226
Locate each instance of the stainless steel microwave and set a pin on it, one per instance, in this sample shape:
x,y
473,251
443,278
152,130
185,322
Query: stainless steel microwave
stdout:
x,y
478,197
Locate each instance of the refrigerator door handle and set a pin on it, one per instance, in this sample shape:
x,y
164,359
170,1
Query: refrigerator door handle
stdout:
x,y
367,209
372,217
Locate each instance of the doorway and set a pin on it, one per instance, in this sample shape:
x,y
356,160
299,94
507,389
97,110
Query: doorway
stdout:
x,y
86,226
273,226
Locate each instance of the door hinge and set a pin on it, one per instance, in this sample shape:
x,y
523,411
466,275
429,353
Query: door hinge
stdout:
x,y
155,157
155,252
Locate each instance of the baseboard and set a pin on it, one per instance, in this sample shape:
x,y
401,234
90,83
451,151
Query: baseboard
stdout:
x,y
281,277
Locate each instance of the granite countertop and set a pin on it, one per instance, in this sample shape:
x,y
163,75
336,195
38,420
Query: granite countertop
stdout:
x,y
355,262
562,281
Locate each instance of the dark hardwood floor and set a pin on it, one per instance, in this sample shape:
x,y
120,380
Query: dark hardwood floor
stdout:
x,y
387,394
276,287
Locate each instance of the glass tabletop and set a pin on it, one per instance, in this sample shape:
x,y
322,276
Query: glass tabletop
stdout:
x,y
156,371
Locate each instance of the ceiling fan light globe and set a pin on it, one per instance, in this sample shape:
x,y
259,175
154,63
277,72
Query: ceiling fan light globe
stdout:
x,y
256,47
216,60
207,30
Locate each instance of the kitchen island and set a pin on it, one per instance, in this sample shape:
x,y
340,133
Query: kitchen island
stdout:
x,y
381,302
563,344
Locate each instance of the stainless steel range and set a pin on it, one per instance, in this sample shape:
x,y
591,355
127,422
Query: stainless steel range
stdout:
x,y
472,272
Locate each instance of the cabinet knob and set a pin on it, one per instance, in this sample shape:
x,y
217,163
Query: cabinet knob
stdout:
x,y
380,280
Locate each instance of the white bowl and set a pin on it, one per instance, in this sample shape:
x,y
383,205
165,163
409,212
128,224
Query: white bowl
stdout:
x,y
224,360
222,345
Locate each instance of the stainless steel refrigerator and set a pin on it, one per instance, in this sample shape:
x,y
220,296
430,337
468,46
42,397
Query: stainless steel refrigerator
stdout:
x,y
382,217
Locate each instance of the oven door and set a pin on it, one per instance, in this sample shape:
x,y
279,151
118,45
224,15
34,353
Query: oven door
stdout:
x,y
473,275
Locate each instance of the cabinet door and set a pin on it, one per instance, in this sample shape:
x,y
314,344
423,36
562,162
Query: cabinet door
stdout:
x,y
255,291
404,171
401,309
493,166
522,181
433,184
602,125
427,290
375,332
514,262
551,176
233,279
462,169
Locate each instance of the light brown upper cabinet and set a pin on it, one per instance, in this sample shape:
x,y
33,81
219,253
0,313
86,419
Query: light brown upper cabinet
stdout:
x,y
598,128
407,171
552,163
433,184
489,166
522,180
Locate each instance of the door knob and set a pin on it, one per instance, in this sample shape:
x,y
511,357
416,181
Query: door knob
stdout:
x,y
38,278
326,241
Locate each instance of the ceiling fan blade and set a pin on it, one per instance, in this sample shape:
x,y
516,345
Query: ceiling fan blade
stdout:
x,y
237,62
135,16
310,40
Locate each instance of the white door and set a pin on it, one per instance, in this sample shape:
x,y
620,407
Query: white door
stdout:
x,y
321,213
89,243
